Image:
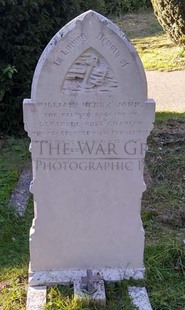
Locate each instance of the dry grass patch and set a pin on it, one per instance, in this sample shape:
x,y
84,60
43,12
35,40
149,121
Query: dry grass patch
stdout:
x,y
155,48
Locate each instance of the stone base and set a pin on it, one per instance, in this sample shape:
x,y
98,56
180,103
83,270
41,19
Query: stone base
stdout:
x,y
36,297
68,276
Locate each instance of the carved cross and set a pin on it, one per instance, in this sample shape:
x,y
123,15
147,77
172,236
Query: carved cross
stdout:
x,y
87,285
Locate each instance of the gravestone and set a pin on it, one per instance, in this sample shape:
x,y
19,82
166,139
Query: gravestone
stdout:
x,y
88,120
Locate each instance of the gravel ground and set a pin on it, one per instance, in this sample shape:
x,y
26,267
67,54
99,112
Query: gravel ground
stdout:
x,y
167,89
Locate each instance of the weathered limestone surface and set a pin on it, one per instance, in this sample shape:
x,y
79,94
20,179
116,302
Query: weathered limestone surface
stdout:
x,y
36,298
88,119
139,297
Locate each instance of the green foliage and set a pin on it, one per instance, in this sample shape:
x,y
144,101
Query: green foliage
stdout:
x,y
12,159
26,28
96,5
6,84
61,297
171,16
14,252
165,267
6,81
13,229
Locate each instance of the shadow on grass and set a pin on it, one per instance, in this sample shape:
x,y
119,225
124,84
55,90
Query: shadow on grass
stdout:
x,y
139,25
14,237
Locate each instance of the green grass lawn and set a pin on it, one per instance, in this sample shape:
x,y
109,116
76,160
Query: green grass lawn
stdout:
x,y
155,49
163,216
13,229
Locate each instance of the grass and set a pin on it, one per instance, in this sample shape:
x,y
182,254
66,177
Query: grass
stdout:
x,y
12,160
163,216
155,49
164,213
13,229
61,297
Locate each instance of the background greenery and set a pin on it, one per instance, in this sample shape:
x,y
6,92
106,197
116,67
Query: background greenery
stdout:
x,y
25,29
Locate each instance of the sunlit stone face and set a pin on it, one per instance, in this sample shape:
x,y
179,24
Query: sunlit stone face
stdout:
x,y
88,120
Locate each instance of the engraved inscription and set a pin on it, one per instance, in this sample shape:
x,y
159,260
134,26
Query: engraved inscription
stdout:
x,y
115,51
90,72
69,48
90,148
89,165
93,119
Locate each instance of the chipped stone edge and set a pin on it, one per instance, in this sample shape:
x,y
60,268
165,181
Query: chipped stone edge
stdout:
x,y
67,276
36,298
139,297
71,26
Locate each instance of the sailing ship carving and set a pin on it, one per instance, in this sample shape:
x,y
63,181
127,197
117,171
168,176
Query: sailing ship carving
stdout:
x,y
89,72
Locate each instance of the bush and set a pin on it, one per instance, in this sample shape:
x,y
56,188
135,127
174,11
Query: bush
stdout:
x,y
25,29
6,84
171,16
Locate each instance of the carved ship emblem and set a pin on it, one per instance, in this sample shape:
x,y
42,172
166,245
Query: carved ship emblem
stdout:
x,y
88,73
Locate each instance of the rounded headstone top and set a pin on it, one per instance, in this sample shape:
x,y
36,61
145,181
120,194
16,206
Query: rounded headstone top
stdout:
x,y
90,54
